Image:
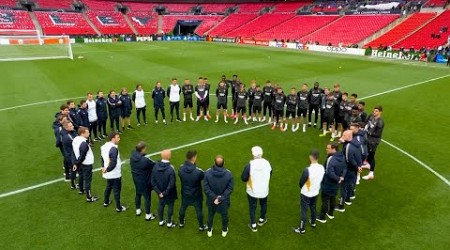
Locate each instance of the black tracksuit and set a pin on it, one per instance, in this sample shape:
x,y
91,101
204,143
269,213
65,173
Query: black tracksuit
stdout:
x,y
314,100
334,169
83,117
268,96
353,158
114,105
69,157
84,171
191,190
158,96
250,92
127,105
218,183
102,115
141,170
163,181
374,130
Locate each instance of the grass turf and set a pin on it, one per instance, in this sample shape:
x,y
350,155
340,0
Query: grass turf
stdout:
x,y
403,208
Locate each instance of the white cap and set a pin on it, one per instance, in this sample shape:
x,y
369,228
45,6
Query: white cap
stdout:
x,y
257,151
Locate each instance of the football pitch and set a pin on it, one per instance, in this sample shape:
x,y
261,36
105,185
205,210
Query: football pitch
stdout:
x,y
405,207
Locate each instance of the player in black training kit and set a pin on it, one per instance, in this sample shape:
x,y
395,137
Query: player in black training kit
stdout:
x,y
201,92
187,91
267,104
338,98
279,101
222,99
314,100
241,103
258,96
302,108
250,92
291,114
208,87
328,113
342,109
235,85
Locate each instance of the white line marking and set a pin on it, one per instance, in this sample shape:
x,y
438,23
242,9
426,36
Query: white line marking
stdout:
x,y
419,162
247,129
126,161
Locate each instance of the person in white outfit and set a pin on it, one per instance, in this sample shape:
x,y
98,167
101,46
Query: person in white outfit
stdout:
x,y
257,175
92,115
174,92
139,102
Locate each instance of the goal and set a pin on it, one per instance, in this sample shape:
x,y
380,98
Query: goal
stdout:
x,y
23,45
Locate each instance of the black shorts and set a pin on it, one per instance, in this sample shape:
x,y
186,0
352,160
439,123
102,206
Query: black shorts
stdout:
x,y
328,117
290,114
256,109
340,119
302,112
279,112
207,102
241,109
221,106
201,104
188,103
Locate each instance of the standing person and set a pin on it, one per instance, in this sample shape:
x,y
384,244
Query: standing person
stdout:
x,y
235,86
303,104
67,135
191,189
257,104
112,170
310,186
374,128
141,170
163,182
334,168
338,97
353,159
201,92
314,99
222,100
278,107
92,114
241,103
73,114
83,116
267,105
328,114
342,110
114,109
208,87
158,96
187,90
361,136
257,175
251,92
84,159
218,185
57,127
173,92
291,114
102,114
126,108
140,104
362,111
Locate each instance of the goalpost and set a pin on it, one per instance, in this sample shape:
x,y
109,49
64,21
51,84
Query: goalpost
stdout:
x,y
23,45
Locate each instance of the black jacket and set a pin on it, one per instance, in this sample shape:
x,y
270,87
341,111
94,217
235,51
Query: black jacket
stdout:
x,y
127,104
334,168
83,117
101,108
191,181
218,181
141,170
67,138
163,180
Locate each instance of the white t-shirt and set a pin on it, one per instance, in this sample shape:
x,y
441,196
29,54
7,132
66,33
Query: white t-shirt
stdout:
x,y
139,100
92,110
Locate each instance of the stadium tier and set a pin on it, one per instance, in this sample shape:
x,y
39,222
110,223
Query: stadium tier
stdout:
x,y
99,5
109,22
260,24
252,7
54,4
435,3
169,21
8,3
68,23
296,27
215,7
350,29
423,36
145,23
289,7
178,7
403,29
140,7
16,19
230,23
207,23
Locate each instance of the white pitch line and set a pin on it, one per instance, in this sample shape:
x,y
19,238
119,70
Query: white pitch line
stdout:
x,y
419,162
126,161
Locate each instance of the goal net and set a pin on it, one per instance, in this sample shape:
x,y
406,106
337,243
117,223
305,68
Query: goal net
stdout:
x,y
22,45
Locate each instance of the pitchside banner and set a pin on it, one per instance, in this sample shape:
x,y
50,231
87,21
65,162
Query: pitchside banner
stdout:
x,y
223,40
255,42
283,45
337,50
393,55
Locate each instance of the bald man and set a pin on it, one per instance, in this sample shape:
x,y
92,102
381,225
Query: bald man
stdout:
x,y
218,186
163,182
353,159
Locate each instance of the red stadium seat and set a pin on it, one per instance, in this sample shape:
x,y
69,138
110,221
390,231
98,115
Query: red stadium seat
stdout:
x,y
68,23
145,23
100,5
289,7
109,22
230,23
215,7
16,19
178,7
260,24
54,4
8,3
252,7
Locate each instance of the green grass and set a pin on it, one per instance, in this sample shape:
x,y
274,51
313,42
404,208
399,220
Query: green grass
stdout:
x,y
405,207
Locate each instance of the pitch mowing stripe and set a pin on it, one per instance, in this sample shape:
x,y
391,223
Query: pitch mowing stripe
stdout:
x,y
251,128
126,161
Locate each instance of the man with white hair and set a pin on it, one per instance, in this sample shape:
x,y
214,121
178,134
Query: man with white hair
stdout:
x,y
257,175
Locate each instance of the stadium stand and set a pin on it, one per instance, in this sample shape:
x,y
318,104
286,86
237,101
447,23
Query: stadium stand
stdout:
x,y
252,7
435,3
403,29
289,7
215,7
8,3
230,23
350,30
207,24
145,23
109,22
259,25
16,19
68,23
179,7
100,5
54,4
296,27
140,7
169,21
423,36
